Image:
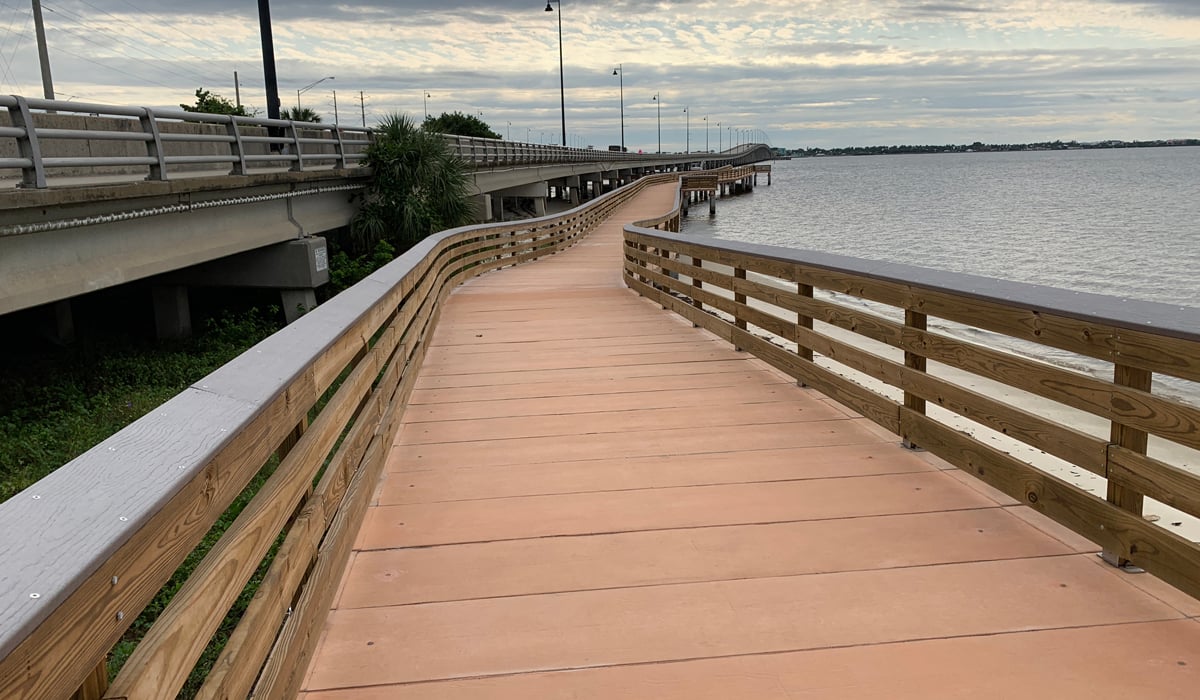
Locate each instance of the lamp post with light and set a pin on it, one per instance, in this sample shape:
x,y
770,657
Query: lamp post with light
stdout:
x,y
687,131
657,99
425,101
706,133
720,139
308,87
562,91
620,72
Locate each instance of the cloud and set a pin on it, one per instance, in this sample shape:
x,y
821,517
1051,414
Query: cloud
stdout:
x,y
1173,8
816,72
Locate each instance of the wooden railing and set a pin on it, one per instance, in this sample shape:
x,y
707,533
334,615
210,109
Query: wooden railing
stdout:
x,y
84,551
783,306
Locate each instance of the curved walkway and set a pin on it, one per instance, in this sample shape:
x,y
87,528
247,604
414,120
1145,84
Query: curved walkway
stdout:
x,y
590,499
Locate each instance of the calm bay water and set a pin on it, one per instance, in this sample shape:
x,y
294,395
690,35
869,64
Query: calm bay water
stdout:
x,y
1124,222
1119,222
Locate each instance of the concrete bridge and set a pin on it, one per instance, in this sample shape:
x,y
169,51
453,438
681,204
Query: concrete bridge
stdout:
x,y
100,195
585,456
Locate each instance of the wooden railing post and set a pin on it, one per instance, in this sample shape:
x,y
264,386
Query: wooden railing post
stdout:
x,y
739,273
95,685
917,320
665,255
805,322
1124,497
699,305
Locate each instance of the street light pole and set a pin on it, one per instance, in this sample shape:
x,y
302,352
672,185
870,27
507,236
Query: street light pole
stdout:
x,y
425,101
562,90
706,133
308,87
720,139
658,100
620,72
687,131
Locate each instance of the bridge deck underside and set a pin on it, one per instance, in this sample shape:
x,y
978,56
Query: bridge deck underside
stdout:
x,y
588,498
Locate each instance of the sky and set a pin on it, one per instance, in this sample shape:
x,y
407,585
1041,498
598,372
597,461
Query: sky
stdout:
x,y
794,73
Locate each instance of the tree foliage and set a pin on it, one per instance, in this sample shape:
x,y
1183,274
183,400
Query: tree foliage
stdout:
x,y
301,114
418,187
459,124
212,103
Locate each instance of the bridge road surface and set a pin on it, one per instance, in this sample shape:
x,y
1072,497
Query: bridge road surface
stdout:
x,y
588,498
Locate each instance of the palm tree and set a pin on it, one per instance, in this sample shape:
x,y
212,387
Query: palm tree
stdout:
x,y
301,114
418,187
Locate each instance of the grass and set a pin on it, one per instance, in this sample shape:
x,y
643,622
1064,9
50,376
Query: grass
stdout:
x,y
55,406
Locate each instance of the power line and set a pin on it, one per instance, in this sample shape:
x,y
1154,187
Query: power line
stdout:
x,y
12,79
93,28
118,70
175,29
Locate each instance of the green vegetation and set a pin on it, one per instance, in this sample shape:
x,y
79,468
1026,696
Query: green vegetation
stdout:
x,y
57,405
418,187
301,114
212,103
459,124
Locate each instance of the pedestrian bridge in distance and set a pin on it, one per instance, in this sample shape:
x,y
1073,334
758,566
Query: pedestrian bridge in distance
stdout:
x,y
586,456
93,196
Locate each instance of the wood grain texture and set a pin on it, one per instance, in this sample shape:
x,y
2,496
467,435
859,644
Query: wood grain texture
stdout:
x,y
1165,554
1164,482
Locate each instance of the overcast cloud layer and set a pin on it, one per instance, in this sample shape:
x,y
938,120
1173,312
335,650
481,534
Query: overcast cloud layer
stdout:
x,y
799,72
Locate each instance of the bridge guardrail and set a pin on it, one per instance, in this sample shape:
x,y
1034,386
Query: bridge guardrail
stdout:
x,y
38,136
1138,438
166,141
87,548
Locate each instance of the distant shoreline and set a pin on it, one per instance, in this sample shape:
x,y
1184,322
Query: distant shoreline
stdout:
x,y
979,147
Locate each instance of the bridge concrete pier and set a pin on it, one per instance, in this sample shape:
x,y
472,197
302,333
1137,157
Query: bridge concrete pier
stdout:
x,y
483,208
295,268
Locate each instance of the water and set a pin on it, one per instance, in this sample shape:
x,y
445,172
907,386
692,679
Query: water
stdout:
x,y
1122,222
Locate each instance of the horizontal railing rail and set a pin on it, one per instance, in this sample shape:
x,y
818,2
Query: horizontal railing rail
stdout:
x,y
161,143
86,549
860,332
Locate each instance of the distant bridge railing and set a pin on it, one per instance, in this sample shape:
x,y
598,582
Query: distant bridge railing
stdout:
x,y
86,549
43,137
859,331
163,142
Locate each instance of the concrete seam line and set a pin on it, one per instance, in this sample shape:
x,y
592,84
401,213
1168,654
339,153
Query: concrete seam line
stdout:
x,y
45,226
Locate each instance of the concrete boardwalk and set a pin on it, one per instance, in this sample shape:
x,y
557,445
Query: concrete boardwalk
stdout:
x,y
590,499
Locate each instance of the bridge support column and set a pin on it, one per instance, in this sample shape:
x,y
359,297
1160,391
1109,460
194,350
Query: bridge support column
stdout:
x,y
58,323
483,208
172,312
297,302
539,206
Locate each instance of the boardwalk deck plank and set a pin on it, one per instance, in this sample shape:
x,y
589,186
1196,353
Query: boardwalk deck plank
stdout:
x,y
589,498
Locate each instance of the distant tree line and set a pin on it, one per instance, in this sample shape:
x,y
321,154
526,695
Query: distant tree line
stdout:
x,y
978,147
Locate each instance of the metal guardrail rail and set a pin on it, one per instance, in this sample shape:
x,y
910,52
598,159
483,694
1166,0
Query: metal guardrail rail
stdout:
x,y
173,141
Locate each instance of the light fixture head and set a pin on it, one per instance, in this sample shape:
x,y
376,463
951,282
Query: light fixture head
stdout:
x,y
548,8
614,71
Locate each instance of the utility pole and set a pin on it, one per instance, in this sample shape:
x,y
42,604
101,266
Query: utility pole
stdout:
x,y
335,114
268,54
43,52
362,105
237,91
